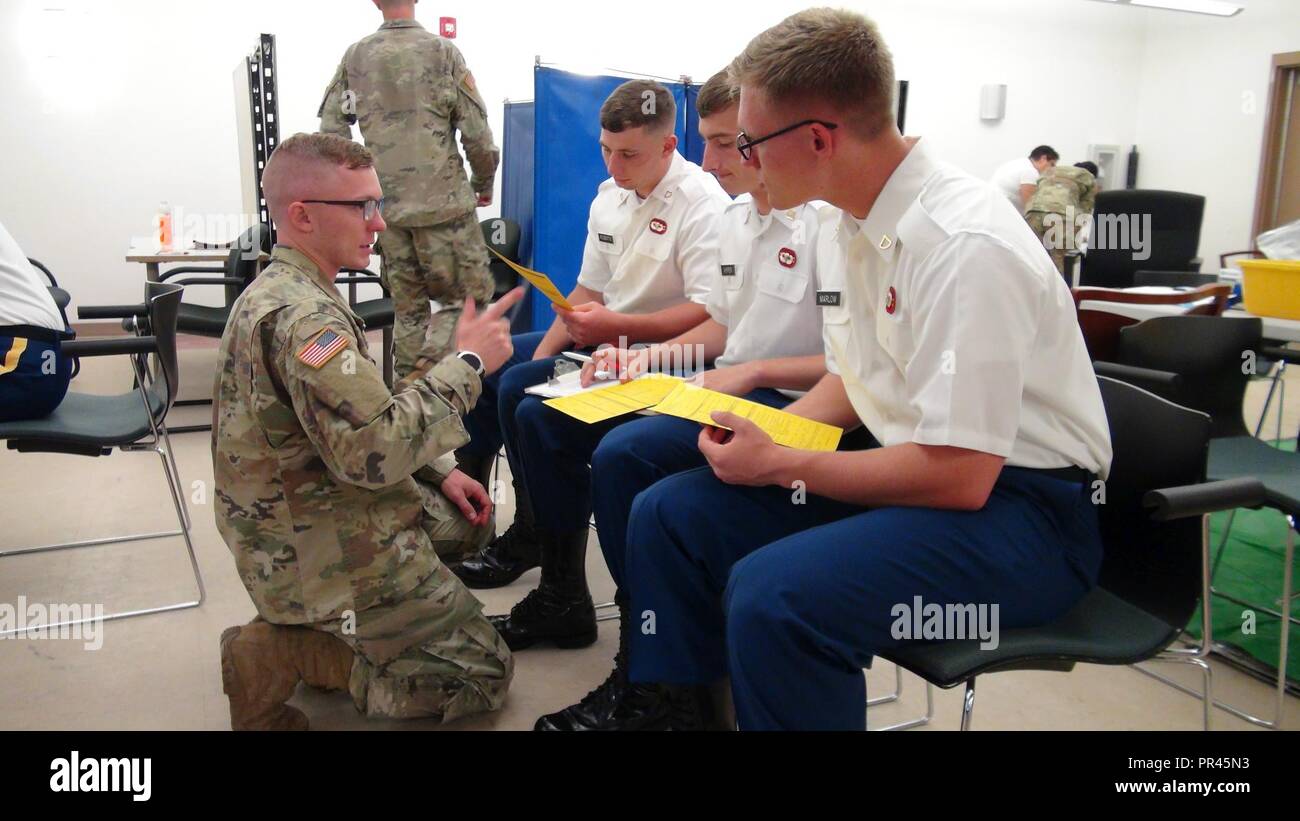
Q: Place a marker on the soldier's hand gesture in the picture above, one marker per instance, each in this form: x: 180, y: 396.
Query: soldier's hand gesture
x: 487, y: 334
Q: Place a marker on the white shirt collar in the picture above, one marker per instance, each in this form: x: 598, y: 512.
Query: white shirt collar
x: 664, y: 190
x: 880, y: 226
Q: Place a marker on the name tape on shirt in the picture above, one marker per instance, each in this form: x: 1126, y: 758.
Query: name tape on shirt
x: 322, y: 348
x: 605, y: 238
x: 828, y: 299
x: 728, y: 270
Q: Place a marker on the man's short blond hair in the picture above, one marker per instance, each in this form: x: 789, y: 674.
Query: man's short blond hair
x: 639, y: 103
x: 718, y: 93
x: 829, y: 55
x: 297, y: 163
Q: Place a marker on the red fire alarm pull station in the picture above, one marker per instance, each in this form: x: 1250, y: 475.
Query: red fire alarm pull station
x: 447, y: 27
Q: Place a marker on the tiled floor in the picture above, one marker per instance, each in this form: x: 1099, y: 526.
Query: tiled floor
x: 161, y: 672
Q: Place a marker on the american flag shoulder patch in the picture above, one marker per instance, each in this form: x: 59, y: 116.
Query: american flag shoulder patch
x: 322, y: 348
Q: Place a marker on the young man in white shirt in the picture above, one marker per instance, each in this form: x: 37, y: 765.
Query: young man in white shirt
x: 1018, y: 178
x: 650, y: 256
x: 34, y: 373
x: 951, y: 337
x: 764, y: 340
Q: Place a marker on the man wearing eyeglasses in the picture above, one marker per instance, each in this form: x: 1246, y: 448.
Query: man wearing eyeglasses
x: 950, y: 336
x: 313, y: 458
x: 650, y: 257
x: 410, y: 93
x: 763, y: 339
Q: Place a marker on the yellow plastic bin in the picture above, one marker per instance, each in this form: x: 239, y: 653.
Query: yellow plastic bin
x: 1271, y: 287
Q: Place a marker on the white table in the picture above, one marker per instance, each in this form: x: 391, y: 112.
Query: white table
x: 153, y: 258
x: 1284, y: 329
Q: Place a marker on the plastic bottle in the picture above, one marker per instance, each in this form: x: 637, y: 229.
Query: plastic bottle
x: 164, y: 222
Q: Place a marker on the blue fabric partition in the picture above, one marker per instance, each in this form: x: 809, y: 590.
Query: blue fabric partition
x: 517, y: 187
x: 568, y: 168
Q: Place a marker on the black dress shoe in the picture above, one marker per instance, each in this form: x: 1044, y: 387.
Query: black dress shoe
x: 509, y: 556
x: 569, y: 621
x: 614, y: 705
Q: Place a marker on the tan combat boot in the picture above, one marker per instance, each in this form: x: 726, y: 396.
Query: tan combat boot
x: 262, y: 663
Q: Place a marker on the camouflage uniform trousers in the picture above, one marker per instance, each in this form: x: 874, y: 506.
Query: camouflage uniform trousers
x: 445, y: 263
x: 1035, y: 220
x: 433, y: 653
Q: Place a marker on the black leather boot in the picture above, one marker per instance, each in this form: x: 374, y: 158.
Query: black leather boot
x: 691, y: 708
x: 560, y: 609
x: 616, y: 704
x: 509, y: 555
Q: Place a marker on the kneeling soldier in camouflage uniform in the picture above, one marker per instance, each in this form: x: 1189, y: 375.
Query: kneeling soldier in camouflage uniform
x: 336, y: 542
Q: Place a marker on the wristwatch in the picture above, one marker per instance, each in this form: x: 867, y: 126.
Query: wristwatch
x: 473, y: 360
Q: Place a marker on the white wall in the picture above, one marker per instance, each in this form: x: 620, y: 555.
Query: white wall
x: 1201, y: 117
x: 114, y: 105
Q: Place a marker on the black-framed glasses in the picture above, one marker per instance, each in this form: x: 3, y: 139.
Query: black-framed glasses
x: 368, y: 207
x: 744, y: 143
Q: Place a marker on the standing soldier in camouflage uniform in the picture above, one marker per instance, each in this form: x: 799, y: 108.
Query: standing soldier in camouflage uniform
x: 1064, y: 194
x: 336, y: 543
x: 410, y: 91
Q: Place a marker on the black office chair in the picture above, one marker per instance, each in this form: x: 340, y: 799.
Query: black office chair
x: 1209, y: 360
x: 242, y: 265
x: 93, y: 425
x: 1174, y: 279
x: 374, y: 313
x: 1155, y: 570
x: 503, y: 236
x: 1175, y: 221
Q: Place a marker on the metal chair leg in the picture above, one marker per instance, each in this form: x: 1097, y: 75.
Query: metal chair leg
x: 173, y: 487
x: 968, y: 705
x: 898, y: 691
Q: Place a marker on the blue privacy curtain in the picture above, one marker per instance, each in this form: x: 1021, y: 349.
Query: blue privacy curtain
x: 567, y: 169
x: 517, y: 186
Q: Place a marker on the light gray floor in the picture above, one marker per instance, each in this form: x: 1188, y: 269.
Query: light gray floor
x: 161, y: 672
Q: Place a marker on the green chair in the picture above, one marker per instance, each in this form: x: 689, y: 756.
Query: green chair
x: 94, y: 425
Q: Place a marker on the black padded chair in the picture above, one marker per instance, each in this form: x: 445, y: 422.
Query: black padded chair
x: 95, y: 425
x: 242, y: 265
x: 1155, y: 570
x: 1202, y: 362
x: 1174, y: 236
x: 501, y: 235
x: 375, y: 313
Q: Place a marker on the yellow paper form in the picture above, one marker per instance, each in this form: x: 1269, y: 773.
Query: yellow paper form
x: 540, y: 280
x: 696, y: 404
x: 606, y: 403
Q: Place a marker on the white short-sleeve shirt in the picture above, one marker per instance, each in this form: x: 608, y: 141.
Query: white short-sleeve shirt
x: 24, y: 299
x: 765, y: 286
x: 950, y: 325
x: 1011, y: 175
x: 647, y: 255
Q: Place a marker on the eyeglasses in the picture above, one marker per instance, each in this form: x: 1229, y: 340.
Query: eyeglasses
x: 744, y: 144
x: 368, y: 207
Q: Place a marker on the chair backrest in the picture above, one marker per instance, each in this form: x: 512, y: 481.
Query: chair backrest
x: 1174, y: 221
x: 164, y: 302
x: 1174, y: 279
x: 501, y: 235
x: 1153, y: 565
x: 1101, y: 328
x: 1214, y: 356
x: 244, y: 259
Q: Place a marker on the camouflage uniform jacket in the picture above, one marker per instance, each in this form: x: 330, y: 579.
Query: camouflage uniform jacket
x: 313, y: 459
x: 410, y: 91
x: 1062, y: 187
